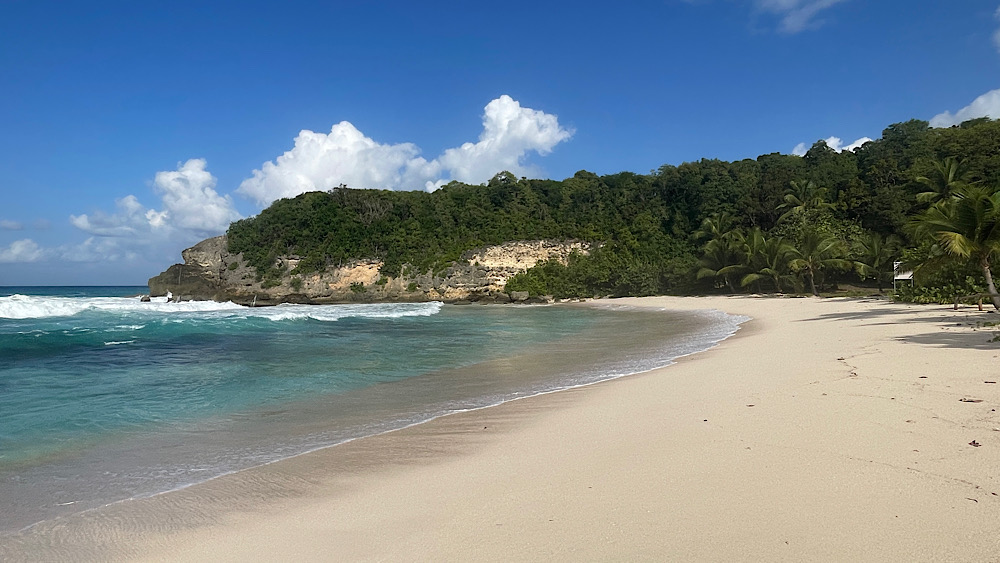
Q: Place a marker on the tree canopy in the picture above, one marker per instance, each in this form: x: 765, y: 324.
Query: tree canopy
x: 677, y: 229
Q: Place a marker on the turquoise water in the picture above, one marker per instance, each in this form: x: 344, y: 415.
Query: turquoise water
x: 105, y: 398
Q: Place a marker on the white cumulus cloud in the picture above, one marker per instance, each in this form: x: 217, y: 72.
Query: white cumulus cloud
x: 319, y: 161
x: 191, y: 206
x: 8, y: 225
x: 509, y: 132
x: 24, y: 250
x: 190, y: 200
x: 796, y: 15
x: 987, y: 105
x: 835, y: 143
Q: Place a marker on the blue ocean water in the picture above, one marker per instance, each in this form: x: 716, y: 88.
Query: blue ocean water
x: 105, y: 398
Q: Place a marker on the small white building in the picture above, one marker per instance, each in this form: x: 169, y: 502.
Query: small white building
x: 898, y: 276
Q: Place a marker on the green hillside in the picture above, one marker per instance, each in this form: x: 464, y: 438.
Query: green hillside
x: 780, y: 222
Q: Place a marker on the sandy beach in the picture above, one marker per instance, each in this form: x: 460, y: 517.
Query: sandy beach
x: 825, y: 430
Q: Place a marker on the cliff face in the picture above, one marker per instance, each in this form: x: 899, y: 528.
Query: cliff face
x: 209, y: 272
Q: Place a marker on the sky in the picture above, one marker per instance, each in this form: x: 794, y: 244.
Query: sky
x: 131, y: 130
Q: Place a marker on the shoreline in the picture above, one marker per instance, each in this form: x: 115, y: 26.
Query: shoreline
x: 708, y: 458
x: 542, y: 367
x: 700, y: 331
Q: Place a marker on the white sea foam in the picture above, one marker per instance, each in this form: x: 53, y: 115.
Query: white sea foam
x: 336, y: 312
x: 37, y: 307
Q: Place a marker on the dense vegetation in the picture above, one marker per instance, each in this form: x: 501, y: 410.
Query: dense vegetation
x: 777, y: 223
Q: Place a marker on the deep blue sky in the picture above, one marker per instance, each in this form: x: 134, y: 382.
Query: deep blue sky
x: 98, y: 97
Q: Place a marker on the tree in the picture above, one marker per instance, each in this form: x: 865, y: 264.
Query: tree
x: 767, y: 259
x: 949, y: 174
x: 965, y: 226
x: 876, y: 256
x: 774, y: 172
x: 716, y: 226
x: 722, y: 258
x: 816, y: 253
x: 804, y: 196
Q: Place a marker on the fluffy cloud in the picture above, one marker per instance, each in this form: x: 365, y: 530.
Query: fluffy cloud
x: 509, y: 132
x: 191, y: 206
x: 190, y: 200
x: 319, y: 161
x: 191, y: 210
x: 24, y: 250
x: 10, y: 225
x: 834, y: 143
x: 987, y: 105
x: 796, y: 15
x: 127, y: 221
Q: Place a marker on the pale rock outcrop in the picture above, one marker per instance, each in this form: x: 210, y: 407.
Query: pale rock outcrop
x: 210, y: 272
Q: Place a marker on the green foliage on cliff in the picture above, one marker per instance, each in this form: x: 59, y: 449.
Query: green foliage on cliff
x: 429, y: 230
x: 701, y: 226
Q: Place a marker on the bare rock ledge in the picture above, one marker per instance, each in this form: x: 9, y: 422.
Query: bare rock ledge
x: 210, y: 272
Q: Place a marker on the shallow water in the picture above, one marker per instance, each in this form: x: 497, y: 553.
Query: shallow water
x: 105, y: 398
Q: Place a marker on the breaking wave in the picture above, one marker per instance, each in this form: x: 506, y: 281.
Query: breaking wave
x: 39, y: 307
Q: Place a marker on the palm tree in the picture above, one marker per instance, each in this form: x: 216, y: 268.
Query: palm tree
x: 816, y: 253
x: 721, y: 254
x: 768, y: 259
x: 720, y: 225
x: 966, y: 226
x: 876, y: 256
x: 949, y: 174
x: 722, y: 258
x: 804, y: 196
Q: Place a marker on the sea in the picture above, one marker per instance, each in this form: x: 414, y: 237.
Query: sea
x: 105, y: 398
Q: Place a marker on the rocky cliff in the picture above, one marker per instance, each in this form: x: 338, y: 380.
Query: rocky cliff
x: 210, y: 272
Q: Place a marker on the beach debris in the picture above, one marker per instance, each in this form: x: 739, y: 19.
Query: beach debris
x: 841, y: 359
x: 968, y: 400
x: 922, y: 377
x: 750, y: 405
x: 975, y: 444
x: 989, y: 382
x: 972, y: 499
